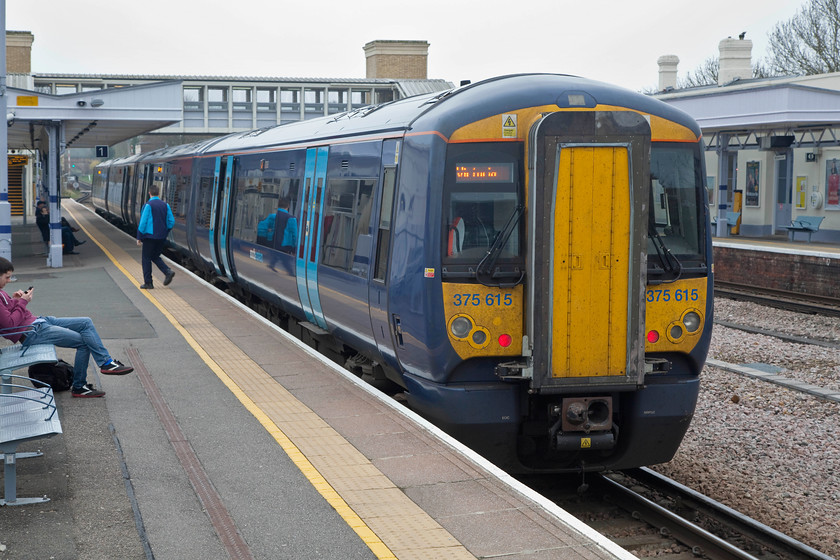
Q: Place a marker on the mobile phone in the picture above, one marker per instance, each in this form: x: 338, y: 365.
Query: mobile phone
x: 29, y: 289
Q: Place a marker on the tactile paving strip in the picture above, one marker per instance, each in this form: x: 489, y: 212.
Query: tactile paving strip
x: 405, y: 529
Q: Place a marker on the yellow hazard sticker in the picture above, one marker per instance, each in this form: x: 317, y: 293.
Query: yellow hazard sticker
x: 585, y: 443
x: 509, y: 129
x: 27, y: 100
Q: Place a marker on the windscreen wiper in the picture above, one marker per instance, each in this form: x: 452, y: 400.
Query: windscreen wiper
x: 485, y: 267
x: 670, y: 263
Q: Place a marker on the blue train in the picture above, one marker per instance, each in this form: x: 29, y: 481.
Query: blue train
x: 528, y: 258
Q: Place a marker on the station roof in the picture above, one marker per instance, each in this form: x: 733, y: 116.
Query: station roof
x: 764, y: 106
x: 93, y: 118
x: 406, y: 87
x: 807, y: 109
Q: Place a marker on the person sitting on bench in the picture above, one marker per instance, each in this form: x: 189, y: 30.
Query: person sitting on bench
x: 65, y: 332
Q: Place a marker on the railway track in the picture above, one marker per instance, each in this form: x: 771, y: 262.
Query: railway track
x: 653, y: 516
x: 781, y: 299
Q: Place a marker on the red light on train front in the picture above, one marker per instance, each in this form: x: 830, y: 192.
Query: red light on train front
x: 505, y: 340
x: 652, y: 336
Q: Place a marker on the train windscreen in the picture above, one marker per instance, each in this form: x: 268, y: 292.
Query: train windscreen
x: 482, y: 208
x: 675, y: 235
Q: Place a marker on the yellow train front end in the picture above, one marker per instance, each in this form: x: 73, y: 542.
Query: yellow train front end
x: 604, y: 324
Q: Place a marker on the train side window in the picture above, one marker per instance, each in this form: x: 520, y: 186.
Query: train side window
x: 262, y: 182
x: 204, y: 201
x: 383, y: 241
x: 178, y: 194
x: 346, y: 239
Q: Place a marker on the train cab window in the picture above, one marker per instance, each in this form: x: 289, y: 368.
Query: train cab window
x: 676, y: 207
x: 346, y: 240
x: 483, y: 229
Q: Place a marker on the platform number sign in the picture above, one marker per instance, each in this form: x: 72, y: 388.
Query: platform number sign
x: 102, y: 151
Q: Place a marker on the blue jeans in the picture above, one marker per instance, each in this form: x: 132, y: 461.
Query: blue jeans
x: 71, y: 332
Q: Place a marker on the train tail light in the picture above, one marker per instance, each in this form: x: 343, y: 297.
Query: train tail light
x: 505, y: 340
x: 653, y: 336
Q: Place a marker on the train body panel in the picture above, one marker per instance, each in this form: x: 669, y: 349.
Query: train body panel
x: 529, y: 256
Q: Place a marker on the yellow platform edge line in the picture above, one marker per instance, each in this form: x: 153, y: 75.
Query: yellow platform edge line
x: 373, y: 542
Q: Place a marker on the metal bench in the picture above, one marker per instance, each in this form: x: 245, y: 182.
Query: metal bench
x: 26, y: 412
x: 731, y: 220
x: 808, y: 224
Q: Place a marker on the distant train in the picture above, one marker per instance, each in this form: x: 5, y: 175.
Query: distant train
x: 528, y: 258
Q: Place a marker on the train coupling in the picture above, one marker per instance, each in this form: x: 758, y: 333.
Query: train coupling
x: 583, y: 423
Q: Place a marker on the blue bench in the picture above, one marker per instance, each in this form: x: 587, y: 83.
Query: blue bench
x: 27, y: 412
x: 808, y: 224
x: 731, y: 220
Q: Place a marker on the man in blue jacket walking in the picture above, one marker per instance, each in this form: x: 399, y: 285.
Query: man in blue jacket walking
x: 155, y: 223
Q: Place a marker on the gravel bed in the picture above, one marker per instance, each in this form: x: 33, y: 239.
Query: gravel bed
x: 769, y: 452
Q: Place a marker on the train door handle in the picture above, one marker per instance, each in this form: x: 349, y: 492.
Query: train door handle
x: 398, y: 330
x: 604, y: 260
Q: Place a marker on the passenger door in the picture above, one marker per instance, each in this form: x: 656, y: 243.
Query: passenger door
x: 384, y: 329
x: 783, y: 177
x: 309, y: 248
x: 219, y: 216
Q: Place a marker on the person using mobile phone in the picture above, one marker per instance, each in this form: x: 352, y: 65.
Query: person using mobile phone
x: 18, y: 324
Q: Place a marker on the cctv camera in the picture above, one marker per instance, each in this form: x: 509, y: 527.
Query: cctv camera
x: 81, y: 103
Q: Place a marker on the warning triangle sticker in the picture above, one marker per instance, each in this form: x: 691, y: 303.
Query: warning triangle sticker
x: 509, y: 122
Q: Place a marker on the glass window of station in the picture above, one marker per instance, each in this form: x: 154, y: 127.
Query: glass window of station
x: 193, y: 98
x: 289, y: 105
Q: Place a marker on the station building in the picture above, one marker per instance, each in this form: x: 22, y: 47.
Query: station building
x: 772, y: 144
x: 209, y: 106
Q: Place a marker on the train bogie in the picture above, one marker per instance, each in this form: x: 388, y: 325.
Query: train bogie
x: 528, y: 257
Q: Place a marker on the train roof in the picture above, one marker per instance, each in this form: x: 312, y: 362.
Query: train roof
x: 442, y: 112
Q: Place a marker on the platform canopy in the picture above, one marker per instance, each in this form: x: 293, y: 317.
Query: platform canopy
x: 101, y: 117
x: 805, y: 115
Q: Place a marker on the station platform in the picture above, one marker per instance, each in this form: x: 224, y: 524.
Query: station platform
x: 779, y: 244
x: 233, y: 440
x: 777, y: 263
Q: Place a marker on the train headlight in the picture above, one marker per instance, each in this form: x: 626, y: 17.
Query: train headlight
x: 691, y: 321
x: 460, y: 327
x: 479, y: 337
x: 676, y: 332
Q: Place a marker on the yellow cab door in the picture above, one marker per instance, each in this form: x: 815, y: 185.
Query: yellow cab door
x: 588, y: 191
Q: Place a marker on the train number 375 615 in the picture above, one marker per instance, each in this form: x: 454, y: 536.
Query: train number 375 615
x: 677, y: 295
x: 475, y: 300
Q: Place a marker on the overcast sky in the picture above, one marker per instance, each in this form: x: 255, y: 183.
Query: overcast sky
x: 615, y: 41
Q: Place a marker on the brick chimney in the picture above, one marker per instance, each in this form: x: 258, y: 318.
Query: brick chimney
x: 667, y: 71
x: 397, y: 59
x: 735, y: 60
x: 19, y: 52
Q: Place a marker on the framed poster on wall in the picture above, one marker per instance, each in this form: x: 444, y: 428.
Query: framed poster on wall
x: 801, y: 191
x: 751, y: 196
x: 832, y: 184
